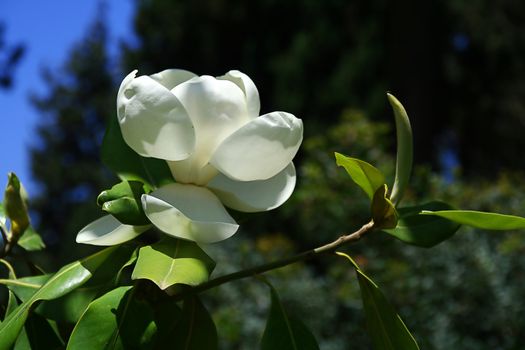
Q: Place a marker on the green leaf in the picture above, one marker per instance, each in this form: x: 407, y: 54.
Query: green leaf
x: 383, y: 212
x: 405, y: 150
x: 116, y: 320
x: 41, y: 334
x: 172, y: 261
x: 363, y: 174
x: 25, y: 287
x: 167, y: 318
x: 31, y: 240
x: 283, y: 331
x: 70, y: 307
x: 123, y: 201
x: 385, y: 327
x: 423, y: 230
x: 64, y: 281
x: 480, y: 219
x: 195, y: 330
x: 127, y: 164
x: 12, y: 303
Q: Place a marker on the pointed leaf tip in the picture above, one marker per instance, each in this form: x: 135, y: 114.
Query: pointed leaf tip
x: 480, y: 219
x: 365, y: 175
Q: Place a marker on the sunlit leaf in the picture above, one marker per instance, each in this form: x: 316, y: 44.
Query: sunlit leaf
x: 480, y: 219
x: 363, y: 174
x: 116, y: 320
x: 283, y: 331
x: 195, y: 330
x: 64, y: 281
x: 423, y: 230
x: 405, y: 150
x: 127, y: 164
x: 70, y: 307
x: 383, y: 212
x: 385, y: 327
x: 25, y: 287
x: 31, y: 240
x: 174, y: 261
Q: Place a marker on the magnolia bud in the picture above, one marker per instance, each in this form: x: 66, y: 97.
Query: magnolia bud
x: 123, y: 202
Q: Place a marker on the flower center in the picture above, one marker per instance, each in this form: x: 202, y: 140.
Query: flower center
x: 189, y: 171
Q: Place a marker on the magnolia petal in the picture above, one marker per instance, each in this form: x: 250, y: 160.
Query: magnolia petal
x: 153, y: 121
x: 260, y: 149
x: 254, y: 196
x: 189, y: 212
x: 108, y: 231
x: 170, y: 78
x: 248, y: 87
x: 217, y: 108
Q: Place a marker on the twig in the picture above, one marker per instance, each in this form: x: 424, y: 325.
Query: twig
x: 327, y: 248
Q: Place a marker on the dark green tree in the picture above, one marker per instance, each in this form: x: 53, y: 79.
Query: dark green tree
x: 65, y: 159
x: 311, y: 58
x: 10, y: 56
x: 457, y: 65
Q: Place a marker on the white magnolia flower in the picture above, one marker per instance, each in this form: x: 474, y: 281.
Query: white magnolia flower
x: 220, y: 151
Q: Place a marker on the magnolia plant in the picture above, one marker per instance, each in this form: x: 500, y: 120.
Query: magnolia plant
x: 186, y: 148
x: 218, y: 150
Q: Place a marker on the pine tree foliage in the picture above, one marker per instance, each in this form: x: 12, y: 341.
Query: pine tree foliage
x: 65, y: 159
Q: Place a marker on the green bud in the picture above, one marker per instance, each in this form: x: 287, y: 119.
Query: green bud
x: 384, y: 213
x: 15, y: 205
x: 405, y: 150
x: 124, y: 203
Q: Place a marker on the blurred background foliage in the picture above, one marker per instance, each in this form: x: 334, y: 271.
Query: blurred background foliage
x: 458, y: 68
x: 10, y: 56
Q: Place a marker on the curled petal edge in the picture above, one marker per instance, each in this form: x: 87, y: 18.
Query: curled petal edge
x: 107, y: 231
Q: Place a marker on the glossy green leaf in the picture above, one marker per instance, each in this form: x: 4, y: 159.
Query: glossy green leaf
x: 405, y: 150
x: 173, y: 261
x: 64, y: 281
x: 385, y: 327
x: 285, y: 332
x: 12, y: 303
x: 423, y: 230
x: 25, y: 287
x: 363, y: 174
x: 383, y: 212
x: 70, y: 307
x: 22, y: 342
x: 31, y: 240
x: 480, y: 219
x: 195, y: 330
x: 127, y: 164
x: 67, y: 308
x: 116, y: 320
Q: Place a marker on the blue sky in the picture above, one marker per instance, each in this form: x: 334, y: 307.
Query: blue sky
x: 48, y: 29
